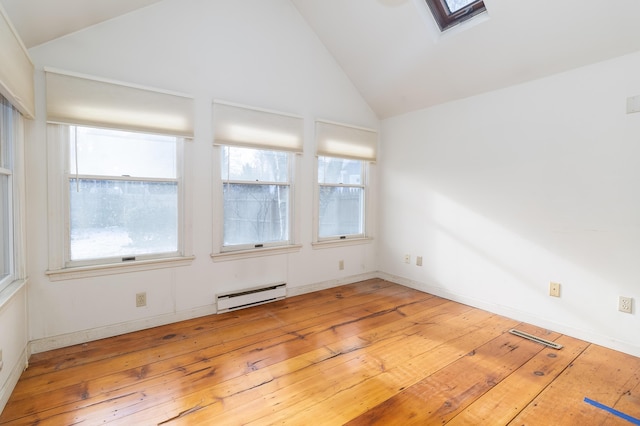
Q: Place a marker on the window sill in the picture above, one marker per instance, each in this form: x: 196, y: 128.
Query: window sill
x: 117, y: 268
x: 341, y: 243
x: 247, y: 254
x: 7, y: 293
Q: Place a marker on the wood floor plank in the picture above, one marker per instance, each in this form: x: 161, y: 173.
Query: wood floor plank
x: 364, y: 353
x: 437, y: 398
x: 509, y: 396
x: 599, y: 374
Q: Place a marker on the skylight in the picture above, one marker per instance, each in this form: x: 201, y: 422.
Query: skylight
x: 451, y: 12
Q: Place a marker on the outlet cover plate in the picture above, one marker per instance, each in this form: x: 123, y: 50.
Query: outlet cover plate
x: 625, y: 304
x: 141, y: 300
x: 554, y: 289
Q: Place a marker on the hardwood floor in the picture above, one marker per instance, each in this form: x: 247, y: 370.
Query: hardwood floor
x: 367, y: 353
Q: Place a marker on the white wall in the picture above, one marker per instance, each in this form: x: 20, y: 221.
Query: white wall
x: 504, y: 192
x: 255, y: 52
x: 13, y: 337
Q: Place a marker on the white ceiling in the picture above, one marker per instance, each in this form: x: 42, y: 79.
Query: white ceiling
x: 392, y: 50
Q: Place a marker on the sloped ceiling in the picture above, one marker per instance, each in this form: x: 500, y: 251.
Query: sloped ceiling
x: 39, y: 21
x: 394, y: 54
x: 392, y: 50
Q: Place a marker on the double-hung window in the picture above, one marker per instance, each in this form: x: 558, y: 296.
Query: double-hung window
x: 341, y: 197
x: 124, y: 195
x: 257, y: 151
x: 256, y: 188
x: 344, y: 154
x: 17, y: 103
x: 10, y: 122
x: 116, y: 178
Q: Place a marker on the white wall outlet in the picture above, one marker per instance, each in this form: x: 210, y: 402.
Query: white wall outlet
x: 419, y: 261
x: 554, y: 289
x: 341, y: 265
x: 625, y: 304
x: 141, y: 300
x: 407, y: 258
x: 1, y: 360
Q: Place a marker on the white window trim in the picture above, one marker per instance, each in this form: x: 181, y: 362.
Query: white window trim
x: 117, y: 268
x: 337, y: 241
x: 58, y: 210
x: 219, y: 252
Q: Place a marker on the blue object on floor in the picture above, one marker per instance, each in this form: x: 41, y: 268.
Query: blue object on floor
x: 613, y: 411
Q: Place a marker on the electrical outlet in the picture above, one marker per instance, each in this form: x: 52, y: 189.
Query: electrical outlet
x: 341, y: 265
x: 1, y: 360
x: 554, y: 289
x: 419, y: 261
x: 625, y: 304
x: 407, y: 258
x: 141, y: 300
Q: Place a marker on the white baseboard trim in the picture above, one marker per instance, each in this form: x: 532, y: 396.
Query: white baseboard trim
x: 588, y: 336
x: 323, y: 285
x: 84, y: 336
x: 12, y: 380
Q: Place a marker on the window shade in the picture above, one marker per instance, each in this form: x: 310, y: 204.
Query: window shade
x: 76, y: 99
x: 338, y: 140
x: 235, y: 125
x: 16, y: 71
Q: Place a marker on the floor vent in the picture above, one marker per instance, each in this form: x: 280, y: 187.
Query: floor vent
x: 536, y: 339
x: 250, y: 297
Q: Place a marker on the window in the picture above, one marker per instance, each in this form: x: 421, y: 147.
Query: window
x: 124, y: 195
x: 256, y: 191
x: 9, y: 122
x: 116, y: 155
x: 448, y: 13
x: 341, y: 197
x: 344, y: 156
x: 256, y: 152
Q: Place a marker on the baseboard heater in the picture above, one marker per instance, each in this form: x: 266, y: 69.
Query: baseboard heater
x: 250, y: 297
x: 536, y: 339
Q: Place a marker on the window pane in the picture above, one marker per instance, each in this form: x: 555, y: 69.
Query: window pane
x: 104, y: 152
x: 456, y: 5
x: 255, y: 214
x: 340, y: 211
x: 339, y: 171
x: 256, y: 165
x: 112, y: 218
x: 5, y: 230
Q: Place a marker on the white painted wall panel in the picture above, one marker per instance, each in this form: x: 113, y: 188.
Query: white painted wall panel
x: 504, y: 192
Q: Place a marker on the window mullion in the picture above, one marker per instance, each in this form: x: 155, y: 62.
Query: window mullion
x: 123, y: 178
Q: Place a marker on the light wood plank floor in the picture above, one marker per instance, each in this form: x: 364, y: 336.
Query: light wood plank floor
x: 367, y: 353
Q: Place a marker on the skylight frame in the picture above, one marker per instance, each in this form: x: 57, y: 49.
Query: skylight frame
x: 447, y: 19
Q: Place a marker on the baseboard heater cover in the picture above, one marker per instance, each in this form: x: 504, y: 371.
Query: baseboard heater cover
x: 536, y: 339
x: 250, y: 297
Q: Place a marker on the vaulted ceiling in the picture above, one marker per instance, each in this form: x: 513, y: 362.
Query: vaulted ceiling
x: 393, y: 51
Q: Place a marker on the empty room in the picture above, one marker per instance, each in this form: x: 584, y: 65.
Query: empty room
x: 319, y: 212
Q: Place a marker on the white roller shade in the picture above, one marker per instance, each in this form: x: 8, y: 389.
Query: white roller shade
x: 77, y: 99
x: 339, y: 140
x: 236, y: 125
x: 16, y: 69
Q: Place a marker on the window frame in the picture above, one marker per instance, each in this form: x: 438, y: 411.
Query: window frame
x: 61, y: 266
x: 291, y: 167
x: 447, y: 20
x: 8, y: 148
x: 365, y: 199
